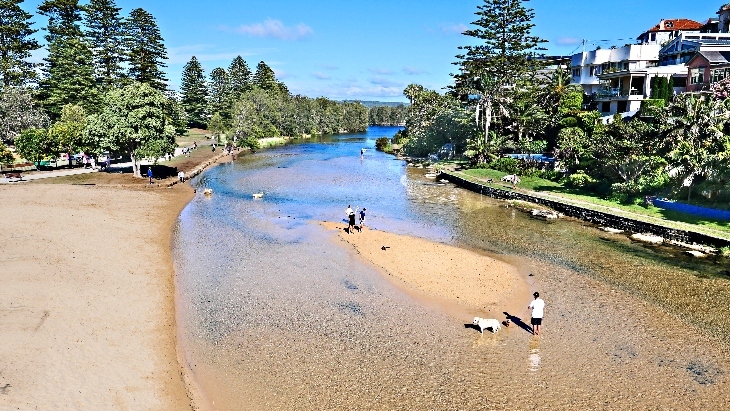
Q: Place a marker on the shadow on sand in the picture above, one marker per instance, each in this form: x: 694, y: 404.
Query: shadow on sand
x: 518, y: 322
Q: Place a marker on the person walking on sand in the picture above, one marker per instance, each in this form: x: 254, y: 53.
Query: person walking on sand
x: 351, y: 220
x: 149, y: 173
x: 362, y: 217
x: 538, y: 307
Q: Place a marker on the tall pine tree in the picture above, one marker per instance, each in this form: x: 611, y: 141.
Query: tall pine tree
x: 105, y: 33
x: 264, y: 78
x: 239, y: 77
x: 219, y: 92
x: 146, y: 50
x: 194, y: 93
x: 16, y: 44
x: 504, y: 58
x: 68, y: 71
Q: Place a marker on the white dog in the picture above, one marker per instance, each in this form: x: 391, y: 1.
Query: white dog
x: 485, y: 323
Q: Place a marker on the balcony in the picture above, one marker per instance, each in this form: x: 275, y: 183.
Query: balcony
x: 617, y: 93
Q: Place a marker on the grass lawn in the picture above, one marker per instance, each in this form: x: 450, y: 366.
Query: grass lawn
x: 543, y: 187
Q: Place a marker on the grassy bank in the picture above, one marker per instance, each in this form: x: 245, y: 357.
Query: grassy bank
x: 554, y: 190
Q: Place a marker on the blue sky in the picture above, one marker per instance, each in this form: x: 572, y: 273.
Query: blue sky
x: 370, y: 50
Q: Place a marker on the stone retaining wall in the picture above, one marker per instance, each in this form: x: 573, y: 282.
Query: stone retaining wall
x: 592, y: 216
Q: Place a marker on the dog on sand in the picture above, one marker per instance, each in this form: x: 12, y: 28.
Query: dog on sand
x: 484, y: 323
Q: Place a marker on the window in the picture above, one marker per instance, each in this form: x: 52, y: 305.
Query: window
x: 719, y: 74
x: 680, y: 81
x: 595, y: 70
x: 576, y: 72
x: 653, y: 36
x: 605, y: 107
x: 697, y: 75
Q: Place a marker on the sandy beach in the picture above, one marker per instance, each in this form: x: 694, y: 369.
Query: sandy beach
x: 463, y: 282
x: 87, y: 302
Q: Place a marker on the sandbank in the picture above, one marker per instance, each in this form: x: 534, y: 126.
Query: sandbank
x: 87, y: 302
x: 459, y: 280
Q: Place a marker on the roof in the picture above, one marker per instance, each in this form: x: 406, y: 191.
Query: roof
x: 675, y: 24
x: 714, y: 57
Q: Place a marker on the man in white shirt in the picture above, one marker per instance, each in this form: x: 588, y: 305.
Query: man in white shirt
x: 538, y: 307
x: 351, y: 220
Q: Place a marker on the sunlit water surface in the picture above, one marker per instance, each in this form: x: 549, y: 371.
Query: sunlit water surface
x: 275, y: 315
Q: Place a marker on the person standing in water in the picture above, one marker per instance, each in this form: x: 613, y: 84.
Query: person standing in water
x: 362, y: 217
x: 350, y: 219
x: 538, y: 307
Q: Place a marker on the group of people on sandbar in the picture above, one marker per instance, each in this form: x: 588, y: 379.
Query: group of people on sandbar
x: 351, y: 214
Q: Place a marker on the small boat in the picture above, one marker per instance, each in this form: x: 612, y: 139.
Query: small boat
x: 258, y: 195
x: 431, y: 175
x: 208, y: 192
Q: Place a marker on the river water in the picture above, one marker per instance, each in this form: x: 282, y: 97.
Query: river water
x: 273, y: 314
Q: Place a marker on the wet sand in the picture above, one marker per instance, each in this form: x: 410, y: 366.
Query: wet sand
x: 600, y: 348
x: 87, y: 298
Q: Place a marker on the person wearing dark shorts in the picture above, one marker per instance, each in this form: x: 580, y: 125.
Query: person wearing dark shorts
x: 351, y: 220
x: 362, y: 217
x: 538, y: 308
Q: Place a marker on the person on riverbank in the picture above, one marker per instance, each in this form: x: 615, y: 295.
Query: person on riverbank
x: 538, y: 308
x: 362, y: 217
x: 351, y: 220
x: 149, y: 173
x: 181, y: 176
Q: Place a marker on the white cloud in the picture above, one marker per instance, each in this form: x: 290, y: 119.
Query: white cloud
x: 275, y: 29
x: 412, y: 71
x: 568, y: 41
x: 381, y: 71
x: 204, y: 52
x: 454, y: 28
x: 321, y: 76
x: 387, y: 83
x: 281, y: 74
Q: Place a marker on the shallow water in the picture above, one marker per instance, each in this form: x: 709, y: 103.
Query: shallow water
x: 276, y: 315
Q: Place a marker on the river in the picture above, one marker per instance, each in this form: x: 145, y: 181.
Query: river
x: 273, y: 314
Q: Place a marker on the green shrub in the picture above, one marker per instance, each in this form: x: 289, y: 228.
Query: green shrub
x: 580, y: 180
x: 382, y: 143
x: 652, y: 106
x: 569, y: 122
x: 507, y: 165
x: 251, y: 142
x: 725, y: 251
x: 552, y: 175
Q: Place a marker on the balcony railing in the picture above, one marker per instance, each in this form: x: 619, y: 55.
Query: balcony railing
x: 615, y: 92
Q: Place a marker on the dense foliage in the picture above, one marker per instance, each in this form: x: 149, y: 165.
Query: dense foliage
x: 387, y: 115
x: 244, y: 105
x: 677, y: 146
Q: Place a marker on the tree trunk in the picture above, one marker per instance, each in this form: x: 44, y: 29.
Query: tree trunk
x: 689, y: 192
x: 135, y: 166
x: 487, y: 120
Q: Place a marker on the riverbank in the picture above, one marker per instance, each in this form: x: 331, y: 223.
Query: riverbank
x: 87, y: 305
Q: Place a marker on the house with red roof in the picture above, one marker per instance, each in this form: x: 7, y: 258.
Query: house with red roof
x: 667, y: 29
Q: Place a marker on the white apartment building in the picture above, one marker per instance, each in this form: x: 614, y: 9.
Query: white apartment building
x: 620, y: 78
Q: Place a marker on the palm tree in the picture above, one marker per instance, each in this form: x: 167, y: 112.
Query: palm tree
x: 412, y: 90
x: 694, y: 136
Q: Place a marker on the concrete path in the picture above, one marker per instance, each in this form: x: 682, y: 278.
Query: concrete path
x: 48, y: 174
